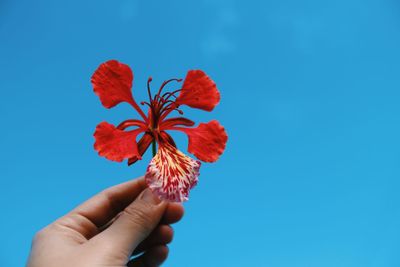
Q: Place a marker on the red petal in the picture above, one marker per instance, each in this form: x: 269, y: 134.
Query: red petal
x: 130, y: 123
x: 171, y: 174
x: 143, y: 145
x: 176, y: 121
x: 198, y: 91
x: 167, y: 138
x: 115, y: 144
x: 207, y: 141
x: 112, y: 82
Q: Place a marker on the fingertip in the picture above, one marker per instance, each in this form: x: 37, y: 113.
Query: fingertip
x: 157, y: 255
x: 167, y: 233
x: 162, y: 235
x: 152, y: 257
x: 178, y: 207
x: 173, y: 213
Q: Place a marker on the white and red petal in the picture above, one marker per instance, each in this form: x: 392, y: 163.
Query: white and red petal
x: 115, y: 144
x: 171, y: 174
x: 198, y: 91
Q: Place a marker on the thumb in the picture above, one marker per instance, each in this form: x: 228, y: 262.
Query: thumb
x: 134, y: 224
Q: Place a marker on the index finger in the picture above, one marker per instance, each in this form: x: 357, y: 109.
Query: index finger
x: 104, y: 206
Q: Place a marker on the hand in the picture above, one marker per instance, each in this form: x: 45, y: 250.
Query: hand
x: 108, y: 229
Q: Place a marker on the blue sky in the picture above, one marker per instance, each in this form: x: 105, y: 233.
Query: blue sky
x: 310, y: 100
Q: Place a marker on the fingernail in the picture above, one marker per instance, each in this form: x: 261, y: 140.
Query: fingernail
x: 149, y: 197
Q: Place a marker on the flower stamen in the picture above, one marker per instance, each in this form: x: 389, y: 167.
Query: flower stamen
x: 145, y: 103
x: 164, y: 84
x: 169, y: 94
x: 148, y: 88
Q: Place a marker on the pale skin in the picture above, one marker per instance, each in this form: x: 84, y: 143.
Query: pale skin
x: 108, y: 229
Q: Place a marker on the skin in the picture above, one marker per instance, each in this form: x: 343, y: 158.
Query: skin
x: 108, y: 229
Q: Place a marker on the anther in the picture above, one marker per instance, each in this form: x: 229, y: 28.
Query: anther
x: 148, y: 88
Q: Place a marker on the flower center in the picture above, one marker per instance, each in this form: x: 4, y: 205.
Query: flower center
x: 161, y: 104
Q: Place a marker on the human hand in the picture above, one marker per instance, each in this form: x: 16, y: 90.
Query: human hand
x: 108, y: 229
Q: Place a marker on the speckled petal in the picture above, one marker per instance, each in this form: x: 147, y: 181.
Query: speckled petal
x: 171, y: 174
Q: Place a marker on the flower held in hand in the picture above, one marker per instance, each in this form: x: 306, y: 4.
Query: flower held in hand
x: 170, y: 174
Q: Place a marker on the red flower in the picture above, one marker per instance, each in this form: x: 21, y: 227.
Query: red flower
x: 170, y: 174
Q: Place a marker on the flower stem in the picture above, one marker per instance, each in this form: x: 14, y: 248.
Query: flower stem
x: 154, y: 147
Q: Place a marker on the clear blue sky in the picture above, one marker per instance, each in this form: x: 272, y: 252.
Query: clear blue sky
x: 310, y: 99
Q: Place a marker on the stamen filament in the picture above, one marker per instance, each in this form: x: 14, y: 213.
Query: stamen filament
x: 148, y: 88
x: 146, y: 103
x: 164, y: 84
x: 169, y: 94
x: 169, y: 106
x: 168, y: 109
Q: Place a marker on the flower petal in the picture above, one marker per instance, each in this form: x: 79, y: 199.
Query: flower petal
x: 131, y: 123
x: 207, y: 141
x: 171, y: 174
x: 167, y: 138
x: 112, y: 82
x: 198, y: 91
x: 143, y: 145
x: 176, y: 121
x: 115, y: 144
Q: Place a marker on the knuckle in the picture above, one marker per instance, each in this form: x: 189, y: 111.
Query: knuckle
x: 139, y: 217
x: 112, y: 202
x: 40, y: 235
x: 170, y: 234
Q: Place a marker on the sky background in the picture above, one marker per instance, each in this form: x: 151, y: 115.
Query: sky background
x: 310, y: 100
